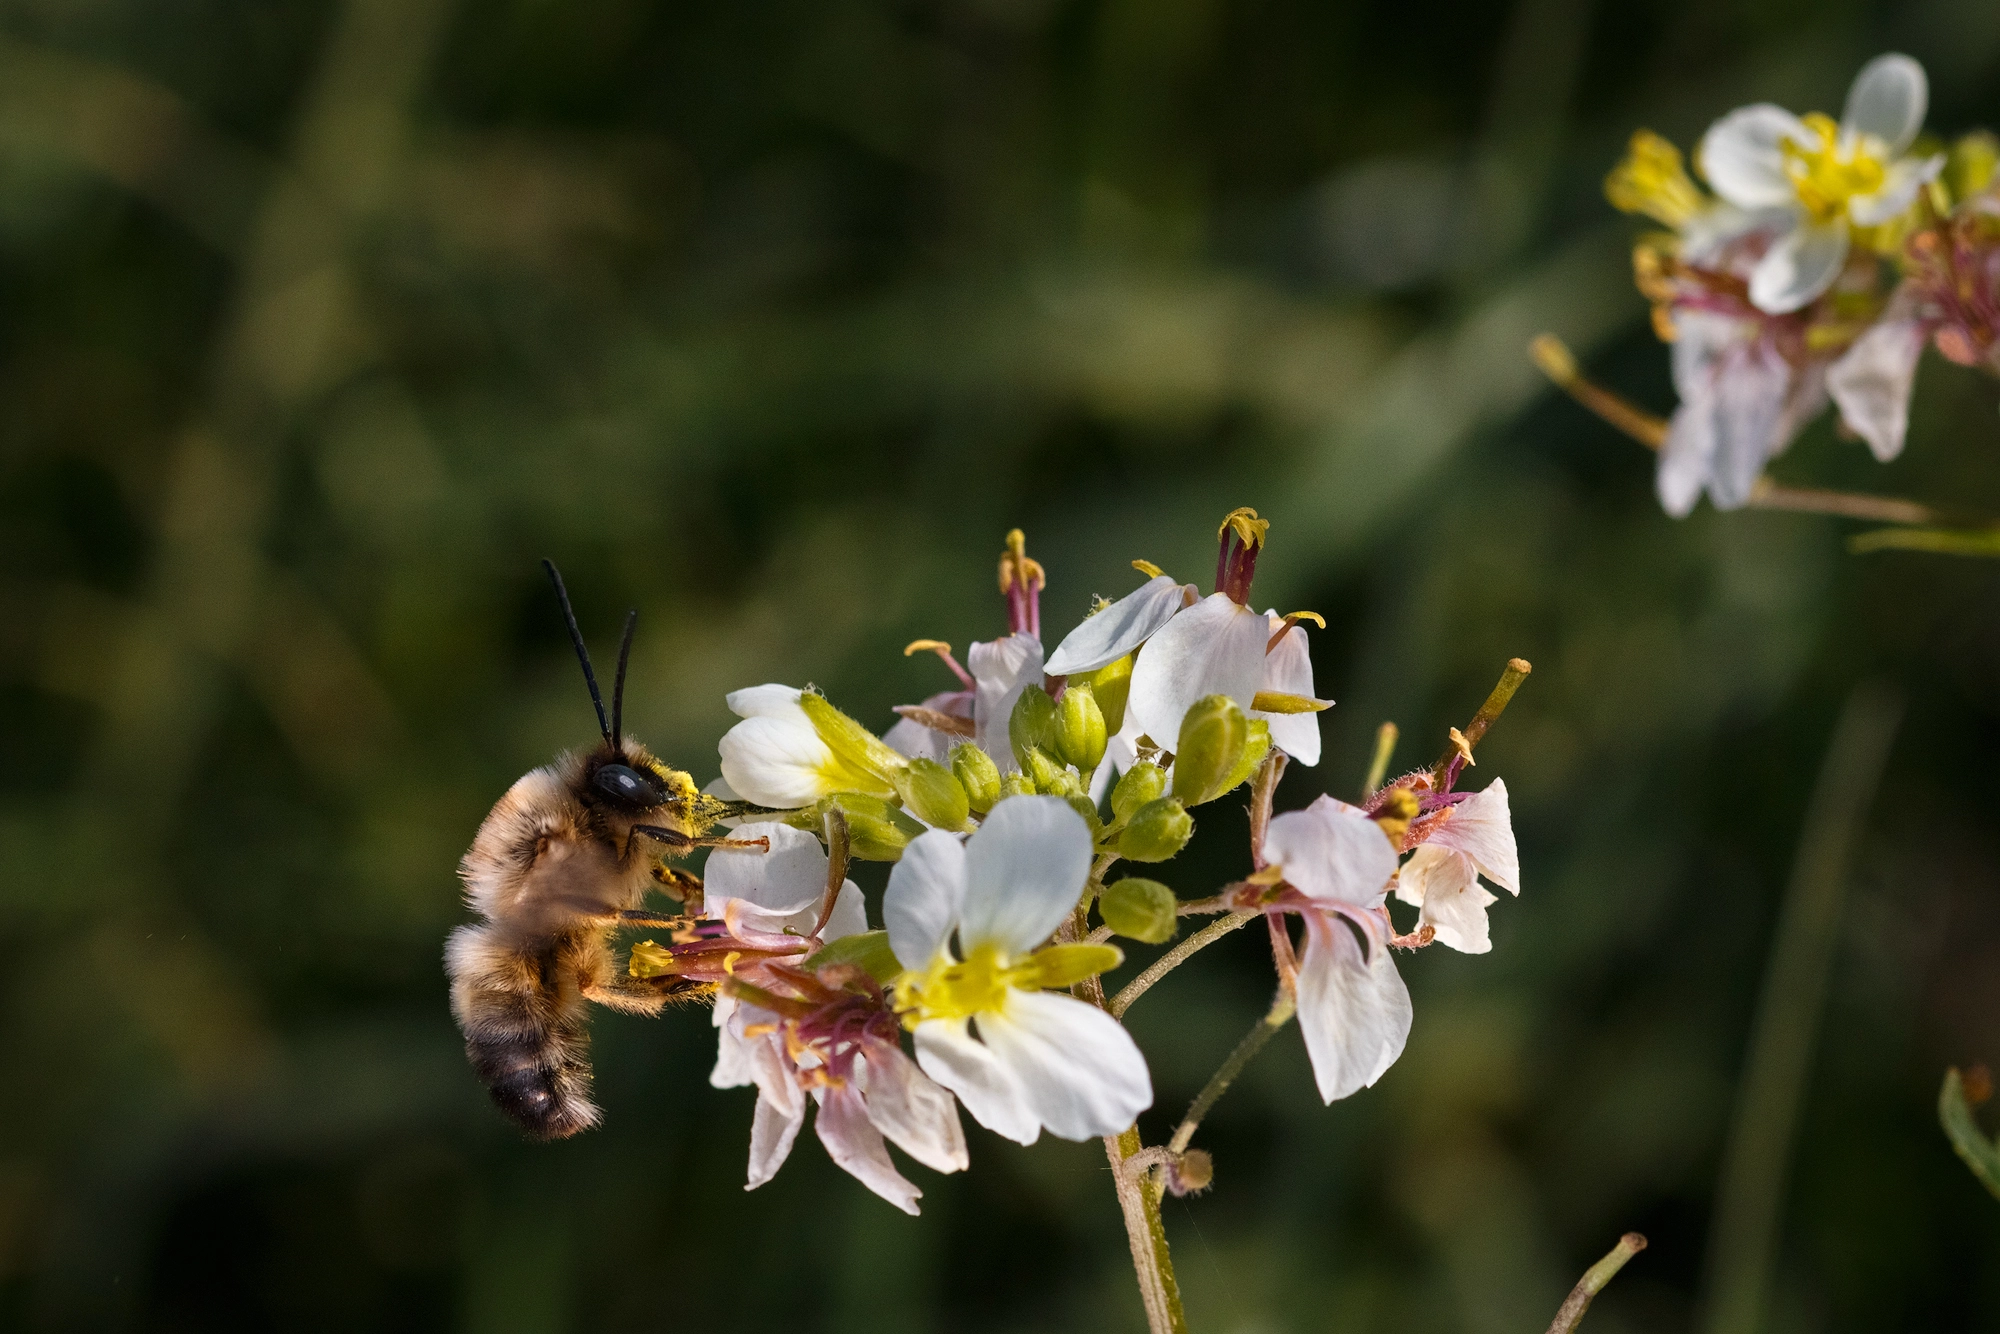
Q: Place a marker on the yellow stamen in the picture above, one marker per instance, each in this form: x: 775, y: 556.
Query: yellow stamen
x: 1293, y: 618
x: 1824, y: 178
x: 1147, y: 568
x: 951, y: 989
x: 1653, y: 180
x: 1248, y: 527
x: 916, y: 646
x: 1015, y: 563
x: 1462, y: 746
x: 729, y: 962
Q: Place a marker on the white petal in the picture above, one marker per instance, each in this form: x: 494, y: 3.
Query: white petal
x: 912, y: 1109
x: 772, y: 1130
x: 1001, y: 670
x: 950, y: 1055
x: 1214, y: 647
x: 1080, y: 1070
x: 776, y: 759
x: 1025, y: 867
x: 733, y: 1060
x: 1288, y: 670
x: 1118, y: 629
x: 856, y: 1145
x: 926, y: 891
x: 765, y: 701
x: 1354, y: 1011
x: 1459, y: 918
x: 1687, y: 456
x: 1900, y: 184
x: 784, y: 883
x: 1887, y: 101
x: 1751, y: 394
x: 1446, y: 883
x: 1333, y: 852
x: 1482, y: 828
x: 1871, y: 383
x: 849, y: 916
x: 1799, y: 267
x: 1743, y: 158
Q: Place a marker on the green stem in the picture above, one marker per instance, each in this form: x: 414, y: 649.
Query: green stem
x: 1281, y: 1012
x: 1173, y: 959
x: 1973, y: 1146
x: 1593, y: 1281
x: 1744, y: 1236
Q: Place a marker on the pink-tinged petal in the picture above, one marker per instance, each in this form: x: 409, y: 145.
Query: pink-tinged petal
x: 1686, y: 456
x: 988, y: 1090
x: 1871, y: 383
x: 1433, y: 870
x: 1887, y: 101
x: 1081, y: 1072
x: 780, y: 886
x: 1354, y: 1011
x: 916, y: 1113
x: 1001, y: 670
x: 926, y: 891
x: 1454, y: 903
x: 1482, y: 828
x: 919, y: 742
x: 1025, y: 868
x: 1742, y: 155
x: 1288, y: 670
x: 1118, y: 629
x: 772, y: 1130
x: 1333, y: 852
x: 1801, y: 266
x: 1214, y: 647
x: 856, y: 1145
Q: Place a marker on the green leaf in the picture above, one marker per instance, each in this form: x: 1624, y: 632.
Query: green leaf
x: 867, y: 950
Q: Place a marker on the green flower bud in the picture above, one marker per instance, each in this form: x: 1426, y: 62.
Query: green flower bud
x: 1032, y: 724
x: 930, y: 793
x: 1970, y: 166
x: 977, y: 774
x: 1112, y: 684
x: 1016, y: 784
x: 1140, y: 910
x: 1050, y: 777
x: 876, y: 831
x: 1080, y: 734
x: 1255, y: 747
x: 1143, y: 782
x: 1157, y: 831
x: 1213, y: 735
x: 1087, y: 808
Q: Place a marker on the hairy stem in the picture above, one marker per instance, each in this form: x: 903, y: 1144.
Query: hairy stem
x: 1174, y: 958
x: 1378, y: 766
x: 1593, y: 1281
x: 1497, y: 699
x: 1281, y: 1012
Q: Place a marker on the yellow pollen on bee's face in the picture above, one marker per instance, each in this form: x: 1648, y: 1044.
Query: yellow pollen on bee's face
x: 1825, y: 177
x: 954, y: 989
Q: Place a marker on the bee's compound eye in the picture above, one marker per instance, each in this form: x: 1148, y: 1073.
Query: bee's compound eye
x: 628, y: 785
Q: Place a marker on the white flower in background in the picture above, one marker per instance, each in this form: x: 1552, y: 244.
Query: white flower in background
x: 1827, y: 179
x: 1001, y: 670
x: 988, y: 1022
x: 792, y: 748
x: 839, y: 1048
x: 1354, y: 1011
x: 1742, y: 401
x: 1442, y: 876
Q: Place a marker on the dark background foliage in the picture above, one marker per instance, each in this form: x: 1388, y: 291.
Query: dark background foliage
x: 319, y: 323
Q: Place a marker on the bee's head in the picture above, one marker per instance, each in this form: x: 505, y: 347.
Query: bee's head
x: 621, y: 774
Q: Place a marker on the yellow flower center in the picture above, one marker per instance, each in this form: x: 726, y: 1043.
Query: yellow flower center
x: 1826, y: 180
x: 1652, y: 180
x: 955, y: 989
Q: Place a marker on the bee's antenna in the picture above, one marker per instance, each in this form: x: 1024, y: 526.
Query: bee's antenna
x: 618, y: 686
x: 582, y: 653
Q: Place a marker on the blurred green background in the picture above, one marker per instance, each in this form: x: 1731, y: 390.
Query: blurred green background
x: 320, y: 323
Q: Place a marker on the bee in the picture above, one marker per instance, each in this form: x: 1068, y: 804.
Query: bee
x: 563, y: 859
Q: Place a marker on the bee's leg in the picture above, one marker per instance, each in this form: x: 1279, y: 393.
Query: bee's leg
x: 736, y: 810
x: 679, y: 842
x: 627, y: 996
x: 680, y: 885
x: 640, y: 917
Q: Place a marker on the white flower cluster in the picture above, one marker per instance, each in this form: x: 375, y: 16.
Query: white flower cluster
x: 1829, y: 253
x: 1001, y: 806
